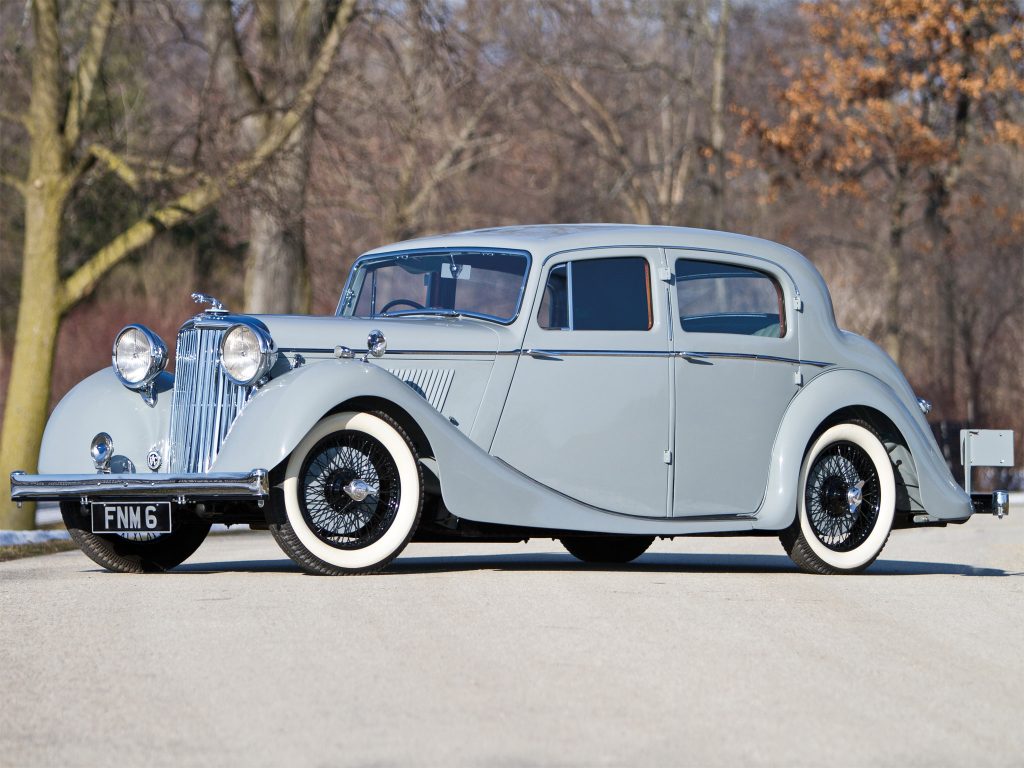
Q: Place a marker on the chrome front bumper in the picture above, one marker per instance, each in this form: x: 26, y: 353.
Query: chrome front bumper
x: 252, y: 485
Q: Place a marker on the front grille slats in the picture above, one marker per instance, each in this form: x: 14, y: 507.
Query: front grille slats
x: 205, y: 402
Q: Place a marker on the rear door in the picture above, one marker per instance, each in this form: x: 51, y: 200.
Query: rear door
x: 737, y: 367
x: 588, y: 412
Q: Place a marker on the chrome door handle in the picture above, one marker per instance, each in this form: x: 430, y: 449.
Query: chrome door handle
x: 540, y: 354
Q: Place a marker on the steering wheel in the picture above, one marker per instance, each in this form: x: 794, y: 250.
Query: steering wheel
x: 396, y: 302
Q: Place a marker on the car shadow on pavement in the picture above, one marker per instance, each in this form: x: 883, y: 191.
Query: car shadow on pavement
x: 650, y: 563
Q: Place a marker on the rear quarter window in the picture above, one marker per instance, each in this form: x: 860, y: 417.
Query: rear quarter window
x: 725, y: 298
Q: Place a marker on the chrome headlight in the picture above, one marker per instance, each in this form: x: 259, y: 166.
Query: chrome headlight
x: 139, y: 356
x: 247, y: 353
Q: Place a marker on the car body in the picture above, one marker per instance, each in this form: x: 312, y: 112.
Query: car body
x: 601, y: 384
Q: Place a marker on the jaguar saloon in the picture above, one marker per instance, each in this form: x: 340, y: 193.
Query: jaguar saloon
x: 602, y: 385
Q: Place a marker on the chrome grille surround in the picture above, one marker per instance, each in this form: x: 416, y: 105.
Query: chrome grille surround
x: 206, y: 402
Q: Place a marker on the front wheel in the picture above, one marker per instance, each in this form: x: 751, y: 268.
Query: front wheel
x: 135, y: 553
x: 351, y: 495
x: 847, y: 503
x: 607, y: 549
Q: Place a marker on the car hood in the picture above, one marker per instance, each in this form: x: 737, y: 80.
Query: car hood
x: 428, y: 334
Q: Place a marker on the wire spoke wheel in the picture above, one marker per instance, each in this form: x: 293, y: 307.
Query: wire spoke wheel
x: 843, y: 495
x: 337, y: 517
x: 350, y: 495
x: 847, y: 502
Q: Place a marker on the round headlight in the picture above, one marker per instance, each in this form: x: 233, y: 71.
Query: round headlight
x: 139, y: 356
x: 246, y: 354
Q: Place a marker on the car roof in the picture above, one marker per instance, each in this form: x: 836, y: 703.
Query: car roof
x: 544, y: 239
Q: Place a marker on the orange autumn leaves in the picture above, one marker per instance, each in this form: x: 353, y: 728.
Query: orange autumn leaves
x: 897, y: 83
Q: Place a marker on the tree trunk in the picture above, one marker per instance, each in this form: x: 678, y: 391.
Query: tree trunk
x: 55, y: 114
x: 941, y: 235
x: 39, y: 313
x: 276, y: 275
x: 721, y: 46
x: 893, y: 335
x: 40, y: 305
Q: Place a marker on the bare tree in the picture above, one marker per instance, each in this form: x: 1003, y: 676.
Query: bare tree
x: 286, y: 39
x: 59, y: 159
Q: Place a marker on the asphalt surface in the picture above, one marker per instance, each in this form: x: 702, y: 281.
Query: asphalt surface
x: 704, y: 652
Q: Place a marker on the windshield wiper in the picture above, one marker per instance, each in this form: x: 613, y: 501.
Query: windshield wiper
x: 426, y: 311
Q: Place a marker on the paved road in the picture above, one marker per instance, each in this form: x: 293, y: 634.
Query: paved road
x: 705, y: 652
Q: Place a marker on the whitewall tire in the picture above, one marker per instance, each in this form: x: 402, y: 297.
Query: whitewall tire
x: 847, y: 502
x: 351, y: 495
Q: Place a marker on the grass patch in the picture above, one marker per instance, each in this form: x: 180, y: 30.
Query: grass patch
x: 19, y: 551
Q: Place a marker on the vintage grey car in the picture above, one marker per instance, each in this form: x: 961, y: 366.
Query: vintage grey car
x: 598, y: 384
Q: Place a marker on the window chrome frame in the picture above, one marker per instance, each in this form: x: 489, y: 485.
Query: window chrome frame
x: 389, y: 255
x: 767, y: 271
x: 570, y: 309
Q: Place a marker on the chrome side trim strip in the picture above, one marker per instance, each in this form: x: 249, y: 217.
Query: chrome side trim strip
x: 552, y: 354
x: 752, y: 356
x: 556, y: 353
x: 415, y: 352
x: 254, y: 484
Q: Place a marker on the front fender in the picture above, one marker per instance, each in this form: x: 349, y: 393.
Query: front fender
x: 834, y: 390
x: 100, y: 403
x: 284, y: 410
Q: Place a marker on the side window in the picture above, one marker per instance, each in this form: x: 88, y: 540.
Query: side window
x: 724, y: 298
x: 598, y: 295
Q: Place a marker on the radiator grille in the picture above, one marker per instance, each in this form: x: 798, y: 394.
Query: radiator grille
x: 205, y: 401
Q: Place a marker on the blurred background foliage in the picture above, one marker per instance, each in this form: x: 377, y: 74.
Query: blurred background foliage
x: 883, y: 139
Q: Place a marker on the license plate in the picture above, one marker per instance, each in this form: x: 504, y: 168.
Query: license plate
x: 131, y: 517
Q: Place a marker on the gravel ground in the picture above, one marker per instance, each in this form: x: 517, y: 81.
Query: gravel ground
x: 704, y: 652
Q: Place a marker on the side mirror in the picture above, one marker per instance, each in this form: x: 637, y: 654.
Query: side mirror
x: 376, y: 344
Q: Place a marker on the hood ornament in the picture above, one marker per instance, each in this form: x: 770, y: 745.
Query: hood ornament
x: 202, y: 298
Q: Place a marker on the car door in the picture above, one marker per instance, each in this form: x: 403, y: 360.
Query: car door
x: 736, y: 370
x: 588, y: 410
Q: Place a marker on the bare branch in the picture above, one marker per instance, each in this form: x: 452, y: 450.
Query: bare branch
x: 88, y: 68
x: 585, y: 106
x: 14, y: 117
x: 131, y: 170
x: 13, y: 182
x: 116, y: 164
x: 84, y: 279
x: 226, y: 51
x: 443, y: 167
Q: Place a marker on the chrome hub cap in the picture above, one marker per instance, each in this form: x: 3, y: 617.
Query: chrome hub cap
x: 854, y: 496
x: 357, y: 490
x: 842, y: 496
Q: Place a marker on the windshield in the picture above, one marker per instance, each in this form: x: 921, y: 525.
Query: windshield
x: 487, y: 285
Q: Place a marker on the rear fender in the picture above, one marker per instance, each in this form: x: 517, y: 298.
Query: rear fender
x: 925, y: 474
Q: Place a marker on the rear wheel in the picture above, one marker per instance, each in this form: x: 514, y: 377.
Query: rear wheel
x: 607, y: 549
x: 847, y: 503
x: 351, y: 495
x: 136, y: 553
